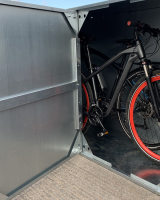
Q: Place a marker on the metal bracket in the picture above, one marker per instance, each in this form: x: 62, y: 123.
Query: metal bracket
x: 144, y: 182
x: 86, y: 151
x: 76, y: 20
x: 82, y: 15
x: 77, y: 144
x: 94, y: 7
x: 85, y: 147
x: 72, y: 19
x: 135, y: 1
x: 91, y: 156
x: 76, y: 63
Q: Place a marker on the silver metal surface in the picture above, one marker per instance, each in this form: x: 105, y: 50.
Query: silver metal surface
x: 37, y: 75
x: 34, y: 137
x: 34, y: 54
x: 33, y: 6
x: 82, y: 14
x: 87, y: 152
x: 76, y: 62
x: 154, y: 187
x: 19, y: 100
x: 96, y: 6
x: 79, y: 83
x: 145, y: 70
x: 85, y: 146
x: 72, y: 18
x: 40, y: 177
x: 77, y: 148
x: 135, y: 1
x: 136, y: 181
x: 90, y: 155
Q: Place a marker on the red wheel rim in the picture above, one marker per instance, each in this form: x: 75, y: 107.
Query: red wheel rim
x: 141, y: 144
x: 148, y: 172
x: 87, y: 99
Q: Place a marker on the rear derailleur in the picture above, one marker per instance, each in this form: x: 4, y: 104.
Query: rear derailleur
x: 95, y: 115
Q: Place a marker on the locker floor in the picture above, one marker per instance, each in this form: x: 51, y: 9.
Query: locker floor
x: 80, y: 178
x: 119, y: 150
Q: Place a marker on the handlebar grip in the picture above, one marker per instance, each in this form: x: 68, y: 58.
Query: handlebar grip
x: 134, y: 24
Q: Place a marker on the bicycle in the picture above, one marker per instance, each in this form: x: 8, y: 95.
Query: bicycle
x: 143, y: 101
x: 131, y: 79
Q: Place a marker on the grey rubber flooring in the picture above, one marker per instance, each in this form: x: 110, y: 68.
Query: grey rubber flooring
x: 80, y: 178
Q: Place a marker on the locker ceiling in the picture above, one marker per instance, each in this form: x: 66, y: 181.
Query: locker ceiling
x: 112, y: 7
x: 105, y: 4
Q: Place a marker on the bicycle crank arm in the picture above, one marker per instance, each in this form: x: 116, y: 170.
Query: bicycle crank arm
x: 105, y: 132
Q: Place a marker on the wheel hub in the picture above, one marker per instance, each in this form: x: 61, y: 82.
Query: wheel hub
x: 148, y: 111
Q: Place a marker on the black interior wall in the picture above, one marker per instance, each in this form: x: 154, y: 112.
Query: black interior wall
x: 110, y: 24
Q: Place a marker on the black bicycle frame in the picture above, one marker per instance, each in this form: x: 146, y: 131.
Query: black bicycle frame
x: 134, y: 53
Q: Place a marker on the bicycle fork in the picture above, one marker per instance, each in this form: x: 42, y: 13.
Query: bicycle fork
x: 152, y: 87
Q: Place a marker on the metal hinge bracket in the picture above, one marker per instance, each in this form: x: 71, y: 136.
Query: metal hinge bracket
x: 82, y: 15
x: 72, y: 19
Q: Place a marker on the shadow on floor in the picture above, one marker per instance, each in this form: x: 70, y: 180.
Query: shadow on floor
x: 119, y: 150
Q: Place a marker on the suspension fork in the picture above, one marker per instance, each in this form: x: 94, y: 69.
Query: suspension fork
x: 148, y: 73
x: 93, y: 79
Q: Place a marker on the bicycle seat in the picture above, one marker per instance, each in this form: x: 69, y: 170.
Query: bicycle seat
x: 126, y: 41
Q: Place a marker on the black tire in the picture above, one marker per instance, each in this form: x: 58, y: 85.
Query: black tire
x: 144, y: 129
x: 86, y: 123
x: 134, y: 75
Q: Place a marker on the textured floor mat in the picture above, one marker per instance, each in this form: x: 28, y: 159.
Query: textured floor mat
x: 80, y: 178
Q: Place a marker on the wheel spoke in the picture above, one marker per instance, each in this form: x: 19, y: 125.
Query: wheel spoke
x: 144, y: 124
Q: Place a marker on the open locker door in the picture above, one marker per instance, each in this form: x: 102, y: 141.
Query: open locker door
x: 39, y: 91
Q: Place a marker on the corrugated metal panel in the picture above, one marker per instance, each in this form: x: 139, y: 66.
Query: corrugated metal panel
x: 35, y: 57
x: 95, y: 5
x: 33, y: 6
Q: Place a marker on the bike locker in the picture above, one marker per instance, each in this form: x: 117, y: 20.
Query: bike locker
x: 43, y: 152
x: 106, y: 24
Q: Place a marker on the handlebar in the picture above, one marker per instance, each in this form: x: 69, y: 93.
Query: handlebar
x: 144, y: 28
x: 134, y: 24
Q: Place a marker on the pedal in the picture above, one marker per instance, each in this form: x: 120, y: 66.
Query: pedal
x: 102, y: 134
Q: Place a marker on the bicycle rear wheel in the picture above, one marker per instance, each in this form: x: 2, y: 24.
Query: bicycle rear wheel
x: 141, y: 118
x: 132, y: 78
x: 87, y: 100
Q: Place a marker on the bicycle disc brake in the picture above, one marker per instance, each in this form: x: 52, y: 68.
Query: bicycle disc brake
x: 95, y: 114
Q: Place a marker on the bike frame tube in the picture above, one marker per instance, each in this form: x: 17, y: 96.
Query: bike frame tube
x: 118, y: 75
x: 127, y: 68
x: 133, y: 51
x: 93, y: 80
x: 103, y: 56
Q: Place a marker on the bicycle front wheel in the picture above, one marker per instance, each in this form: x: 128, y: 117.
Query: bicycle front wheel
x: 141, y: 118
